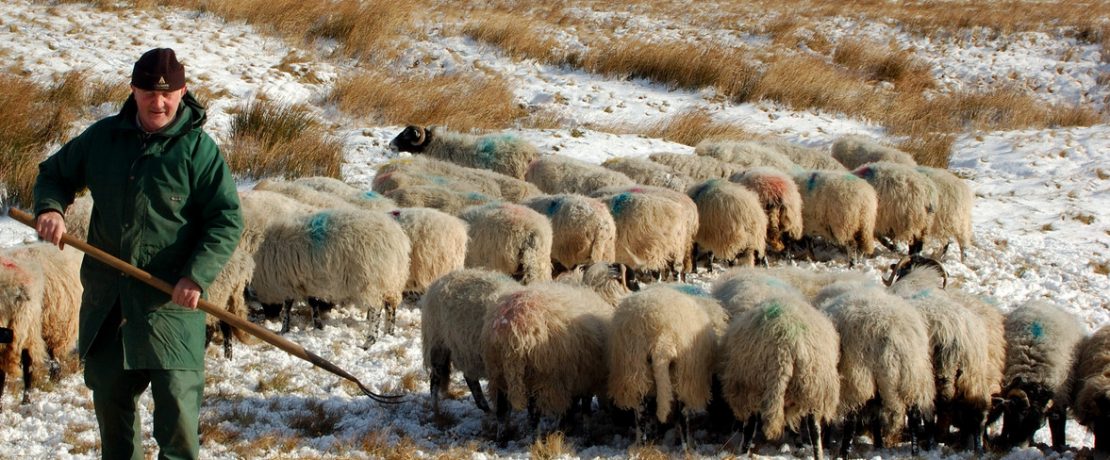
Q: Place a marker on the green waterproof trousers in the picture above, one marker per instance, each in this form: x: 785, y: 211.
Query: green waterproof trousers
x: 176, y: 393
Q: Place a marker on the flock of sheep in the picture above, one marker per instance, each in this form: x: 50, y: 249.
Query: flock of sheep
x: 527, y: 268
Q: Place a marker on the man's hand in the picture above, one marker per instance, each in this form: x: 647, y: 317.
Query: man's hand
x: 186, y: 293
x: 51, y: 226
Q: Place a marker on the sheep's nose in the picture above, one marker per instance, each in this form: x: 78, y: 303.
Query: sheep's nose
x: 6, y: 335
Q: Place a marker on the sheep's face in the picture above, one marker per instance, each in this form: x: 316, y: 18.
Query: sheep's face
x: 413, y: 139
x: 1023, y: 414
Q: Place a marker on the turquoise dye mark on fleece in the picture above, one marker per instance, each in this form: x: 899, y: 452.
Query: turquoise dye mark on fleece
x: 439, y: 180
x: 708, y: 186
x: 772, y: 310
x: 812, y: 182
x: 554, y: 207
x: 1036, y: 329
x: 317, y: 228
x: 475, y: 196
x: 691, y: 290
x: 922, y: 294
x: 372, y: 195
x: 619, y: 203
x: 486, y: 151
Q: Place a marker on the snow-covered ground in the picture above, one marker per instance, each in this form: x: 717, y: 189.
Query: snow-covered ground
x: 1041, y: 215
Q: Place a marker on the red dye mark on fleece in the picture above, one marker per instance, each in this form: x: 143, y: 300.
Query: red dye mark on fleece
x: 513, y: 311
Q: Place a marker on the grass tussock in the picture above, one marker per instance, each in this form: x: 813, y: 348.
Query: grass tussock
x: 463, y: 102
x: 519, y: 36
x: 804, y: 82
x: 879, y: 62
x: 552, y: 446
x: 647, y: 452
x: 315, y: 421
x: 693, y: 126
x: 272, y: 139
x: 678, y: 64
x: 377, y: 444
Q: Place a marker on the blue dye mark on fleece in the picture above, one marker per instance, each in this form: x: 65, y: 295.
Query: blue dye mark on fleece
x: 554, y: 207
x: 317, y: 228
x: 487, y: 147
x: 922, y: 294
x: 475, y: 196
x: 812, y: 182
x: 1036, y: 330
x: 439, y: 180
x: 372, y: 195
x: 772, y: 310
x: 691, y: 290
x: 619, y: 203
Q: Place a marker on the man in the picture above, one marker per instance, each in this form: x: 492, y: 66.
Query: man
x: 165, y: 201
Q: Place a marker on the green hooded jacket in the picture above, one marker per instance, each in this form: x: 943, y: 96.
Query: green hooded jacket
x: 165, y: 202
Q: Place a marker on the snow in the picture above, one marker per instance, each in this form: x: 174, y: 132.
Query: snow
x: 1041, y: 215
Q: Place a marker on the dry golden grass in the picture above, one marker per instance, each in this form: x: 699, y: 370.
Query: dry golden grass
x: 270, y: 139
x: 693, y: 126
x: 376, y: 445
x: 551, y: 446
x: 803, y: 82
x: 520, y: 37
x: 879, y: 62
x: 315, y: 421
x: 647, y: 452
x: 463, y: 102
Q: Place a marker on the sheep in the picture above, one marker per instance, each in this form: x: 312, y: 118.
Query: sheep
x: 731, y: 221
x: 662, y: 345
x: 907, y: 202
x: 583, y: 231
x: 742, y: 289
x: 558, y: 174
x: 805, y: 157
x: 386, y: 181
x: 696, y: 167
x: 437, y: 197
x: 839, y: 208
x: 305, y: 194
x: 41, y: 297
x: 1087, y: 392
x: 647, y: 172
x: 227, y: 291
x: 480, y: 180
x: 655, y: 226
x: 541, y: 345
x: 1042, y: 339
x: 438, y: 245
x: 746, y: 154
x: 511, y: 239
x: 885, y: 365
x: 812, y: 283
x: 342, y: 256
x: 955, y: 201
x: 453, y: 312
x: 371, y: 200
x: 260, y: 209
x: 961, y: 347
x: 780, y: 199
x: 78, y: 215
x: 503, y: 153
x: 610, y: 281
x: 778, y: 365
x: 854, y: 151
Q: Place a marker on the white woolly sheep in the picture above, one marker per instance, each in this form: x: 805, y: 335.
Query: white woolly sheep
x: 387, y: 181
x: 778, y: 367
x: 558, y: 174
x: 505, y: 153
x: 438, y: 197
x: 1041, y: 343
x: 781, y: 201
x: 305, y: 194
x: 742, y: 289
x: 886, y: 371
x: 746, y: 154
x: 647, y: 172
x: 907, y: 202
x: 962, y: 368
x: 1088, y: 388
x: 853, y: 151
x: 698, y: 168
x: 370, y: 200
x: 260, y: 209
x: 839, y: 208
x: 610, y: 281
x: 955, y: 201
x: 78, y: 215
x: 804, y: 157
x: 541, y: 346
x: 453, y: 312
x: 344, y: 257
x: 438, y: 245
x: 583, y: 230
x: 40, y: 296
x: 731, y: 222
x: 227, y: 291
x: 662, y: 345
x: 511, y: 239
x: 811, y: 282
x: 655, y: 227
x: 481, y: 180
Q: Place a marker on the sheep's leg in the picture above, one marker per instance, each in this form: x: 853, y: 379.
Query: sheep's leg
x: 684, y: 431
x: 750, y: 429
x: 814, y: 430
x: 534, y: 417
x: 373, y: 317
x: 850, y: 425
x: 54, y: 367
x: 915, y: 421
x: 286, y: 313
x: 391, y: 317
x: 26, y: 359
x: 314, y: 308
x: 476, y: 393
x: 501, y: 407
x: 916, y: 246
x: 1057, y: 421
x: 440, y: 359
x: 225, y: 331
x: 878, y: 434
x: 1102, y: 438
x: 973, y: 430
x: 3, y: 381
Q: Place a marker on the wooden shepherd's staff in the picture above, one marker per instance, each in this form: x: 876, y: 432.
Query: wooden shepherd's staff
x: 240, y: 323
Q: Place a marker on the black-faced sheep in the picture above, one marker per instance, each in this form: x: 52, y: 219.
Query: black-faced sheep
x: 1041, y: 343
x: 511, y: 239
x: 1088, y: 388
x: 453, y: 312
x: 746, y: 154
x: 227, y: 291
x: 781, y: 202
x: 558, y: 174
x: 583, y: 230
x: 731, y: 222
x: 647, y: 172
x: 839, y: 208
x: 504, y: 153
x: 438, y: 245
x: 344, y: 257
x: 541, y: 346
x: 907, y: 202
x: 854, y: 150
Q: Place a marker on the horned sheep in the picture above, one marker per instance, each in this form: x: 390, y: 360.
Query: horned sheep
x: 583, y: 231
x: 853, y: 151
x: 1088, y: 389
x: 504, y: 153
x: 511, y: 239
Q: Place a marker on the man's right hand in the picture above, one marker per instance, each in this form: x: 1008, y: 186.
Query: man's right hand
x: 51, y: 226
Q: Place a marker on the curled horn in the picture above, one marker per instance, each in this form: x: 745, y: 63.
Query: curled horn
x: 907, y: 264
x: 895, y: 269
x: 418, y: 135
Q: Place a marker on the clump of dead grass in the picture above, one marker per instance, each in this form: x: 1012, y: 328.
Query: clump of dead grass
x: 551, y: 446
x: 274, y: 139
x: 803, y: 82
x: 521, y: 37
x: 693, y: 126
x: 880, y: 62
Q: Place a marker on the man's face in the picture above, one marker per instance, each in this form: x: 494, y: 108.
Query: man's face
x: 157, y: 108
